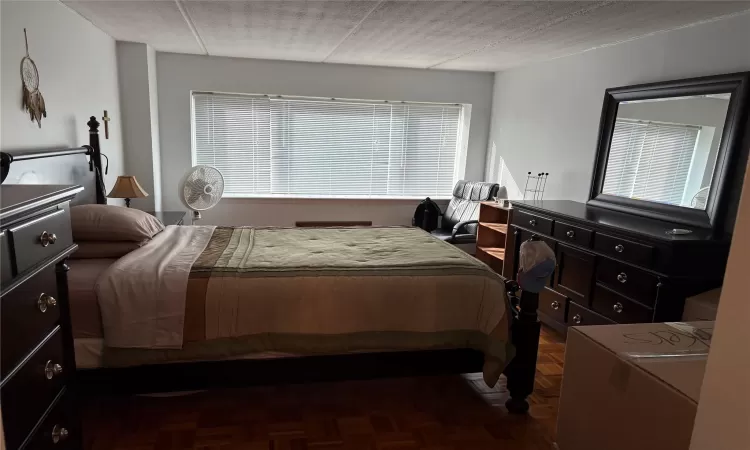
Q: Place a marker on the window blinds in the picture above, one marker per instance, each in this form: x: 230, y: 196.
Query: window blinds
x: 326, y: 148
x: 649, y: 160
x: 232, y: 133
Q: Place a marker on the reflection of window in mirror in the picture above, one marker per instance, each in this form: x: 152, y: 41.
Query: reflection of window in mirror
x: 664, y: 150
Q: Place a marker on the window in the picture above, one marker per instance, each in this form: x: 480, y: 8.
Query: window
x: 650, y: 160
x: 304, y: 147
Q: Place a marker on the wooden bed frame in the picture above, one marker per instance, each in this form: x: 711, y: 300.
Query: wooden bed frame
x: 83, y: 166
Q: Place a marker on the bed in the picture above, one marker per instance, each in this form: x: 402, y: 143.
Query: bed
x: 261, y: 305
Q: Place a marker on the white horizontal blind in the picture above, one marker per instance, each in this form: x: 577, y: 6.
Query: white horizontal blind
x: 325, y: 148
x: 232, y: 133
x: 649, y: 160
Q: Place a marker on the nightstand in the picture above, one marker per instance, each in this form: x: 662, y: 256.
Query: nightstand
x: 172, y: 217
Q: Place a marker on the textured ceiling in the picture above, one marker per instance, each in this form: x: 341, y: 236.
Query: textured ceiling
x: 468, y: 35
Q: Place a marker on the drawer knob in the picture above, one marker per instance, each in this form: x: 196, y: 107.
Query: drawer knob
x: 555, y: 305
x: 619, y: 248
x: 52, y: 370
x: 622, y: 277
x: 571, y: 234
x: 45, y: 301
x: 577, y: 319
x: 47, y: 238
x: 617, y: 307
x: 532, y: 222
x: 59, y: 434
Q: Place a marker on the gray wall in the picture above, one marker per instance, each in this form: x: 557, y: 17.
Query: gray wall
x: 136, y: 66
x: 546, y: 116
x: 77, y: 77
x: 179, y: 74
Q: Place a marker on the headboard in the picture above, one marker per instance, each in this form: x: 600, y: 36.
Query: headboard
x: 81, y: 166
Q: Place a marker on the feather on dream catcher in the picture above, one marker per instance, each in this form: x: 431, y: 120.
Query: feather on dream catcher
x: 33, y: 102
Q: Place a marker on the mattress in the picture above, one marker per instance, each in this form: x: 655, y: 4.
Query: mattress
x: 89, y: 342
x: 87, y: 324
x: 90, y: 354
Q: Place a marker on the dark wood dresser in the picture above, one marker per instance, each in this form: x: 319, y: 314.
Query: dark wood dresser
x: 37, y: 363
x: 615, y: 267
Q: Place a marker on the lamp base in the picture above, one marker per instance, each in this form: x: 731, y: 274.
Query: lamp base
x: 127, y: 203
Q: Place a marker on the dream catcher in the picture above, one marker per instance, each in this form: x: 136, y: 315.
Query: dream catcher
x: 33, y: 102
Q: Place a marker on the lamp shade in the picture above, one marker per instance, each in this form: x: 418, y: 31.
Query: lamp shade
x: 127, y: 186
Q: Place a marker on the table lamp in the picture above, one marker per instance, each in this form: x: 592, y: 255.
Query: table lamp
x: 127, y: 187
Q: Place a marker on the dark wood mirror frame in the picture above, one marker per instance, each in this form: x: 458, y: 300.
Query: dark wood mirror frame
x: 730, y: 163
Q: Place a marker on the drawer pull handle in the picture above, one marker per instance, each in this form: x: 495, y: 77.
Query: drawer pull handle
x: 619, y: 248
x: 45, y: 301
x: 59, y: 434
x: 571, y: 234
x: 532, y: 222
x: 617, y: 307
x: 577, y: 319
x: 47, y: 238
x: 555, y: 305
x: 51, y: 370
x: 622, y: 277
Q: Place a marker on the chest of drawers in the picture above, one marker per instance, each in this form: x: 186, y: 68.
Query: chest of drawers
x: 615, y: 267
x: 37, y: 364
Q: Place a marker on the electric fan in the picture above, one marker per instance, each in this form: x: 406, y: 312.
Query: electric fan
x: 700, y: 198
x: 201, y: 188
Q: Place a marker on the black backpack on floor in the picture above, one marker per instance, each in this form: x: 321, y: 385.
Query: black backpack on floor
x: 426, y: 215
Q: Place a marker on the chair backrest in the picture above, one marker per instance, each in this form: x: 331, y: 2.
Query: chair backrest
x: 465, y: 203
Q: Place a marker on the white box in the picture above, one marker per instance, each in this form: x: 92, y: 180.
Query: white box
x: 632, y: 386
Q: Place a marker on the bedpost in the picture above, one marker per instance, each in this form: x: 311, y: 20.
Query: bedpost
x: 96, y: 159
x: 525, y: 331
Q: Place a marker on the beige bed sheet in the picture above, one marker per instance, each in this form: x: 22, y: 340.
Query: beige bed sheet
x: 84, y: 307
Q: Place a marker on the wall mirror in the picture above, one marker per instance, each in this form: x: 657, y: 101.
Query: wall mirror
x: 668, y: 150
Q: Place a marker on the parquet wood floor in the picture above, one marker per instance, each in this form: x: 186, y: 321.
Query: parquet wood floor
x: 435, y: 413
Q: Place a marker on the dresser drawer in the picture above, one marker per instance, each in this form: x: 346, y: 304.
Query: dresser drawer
x: 40, y: 238
x: 533, y: 222
x: 28, y: 314
x: 574, y: 275
x: 619, y: 308
x: 526, y: 235
x: 573, y: 234
x: 627, y: 280
x: 6, y: 271
x: 553, y: 304
x: 61, y: 429
x: 579, y: 316
x: 30, y: 391
x: 633, y: 252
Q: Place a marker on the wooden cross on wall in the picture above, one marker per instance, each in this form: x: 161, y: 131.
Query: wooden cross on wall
x: 106, y: 124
